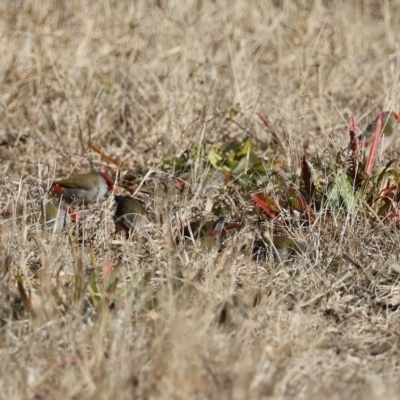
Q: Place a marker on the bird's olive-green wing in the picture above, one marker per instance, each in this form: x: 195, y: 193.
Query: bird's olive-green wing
x: 83, y: 181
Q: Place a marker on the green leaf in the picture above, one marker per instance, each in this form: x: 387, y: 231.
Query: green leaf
x: 95, y: 287
x: 245, y: 163
x: 247, y: 147
x: 215, y: 158
x: 342, y: 195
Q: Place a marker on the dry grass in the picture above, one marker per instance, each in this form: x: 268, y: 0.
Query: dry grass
x: 151, y: 78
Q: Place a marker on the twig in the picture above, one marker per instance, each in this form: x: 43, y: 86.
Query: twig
x: 359, y: 266
x: 103, y: 155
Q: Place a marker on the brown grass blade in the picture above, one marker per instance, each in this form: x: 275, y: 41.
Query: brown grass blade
x: 25, y: 297
x: 273, y: 132
x: 103, y: 154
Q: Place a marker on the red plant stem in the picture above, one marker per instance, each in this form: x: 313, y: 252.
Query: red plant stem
x: 369, y: 166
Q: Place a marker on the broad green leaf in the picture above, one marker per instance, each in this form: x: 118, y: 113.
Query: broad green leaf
x: 247, y: 146
x: 215, y: 158
x: 246, y: 163
x: 342, y: 195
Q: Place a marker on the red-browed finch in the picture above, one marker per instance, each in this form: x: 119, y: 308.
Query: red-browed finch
x: 209, y: 234
x: 51, y: 215
x: 85, y: 188
x: 130, y: 215
x: 281, y: 246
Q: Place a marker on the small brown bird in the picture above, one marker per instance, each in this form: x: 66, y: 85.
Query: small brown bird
x: 166, y: 192
x: 160, y: 193
x: 280, y: 246
x: 208, y: 234
x: 56, y: 217
x: 87, y: 188
x: 130, y: 215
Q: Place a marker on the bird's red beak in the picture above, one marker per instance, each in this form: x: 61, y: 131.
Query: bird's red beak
x: 56, y: 188
x: 110, y: 182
